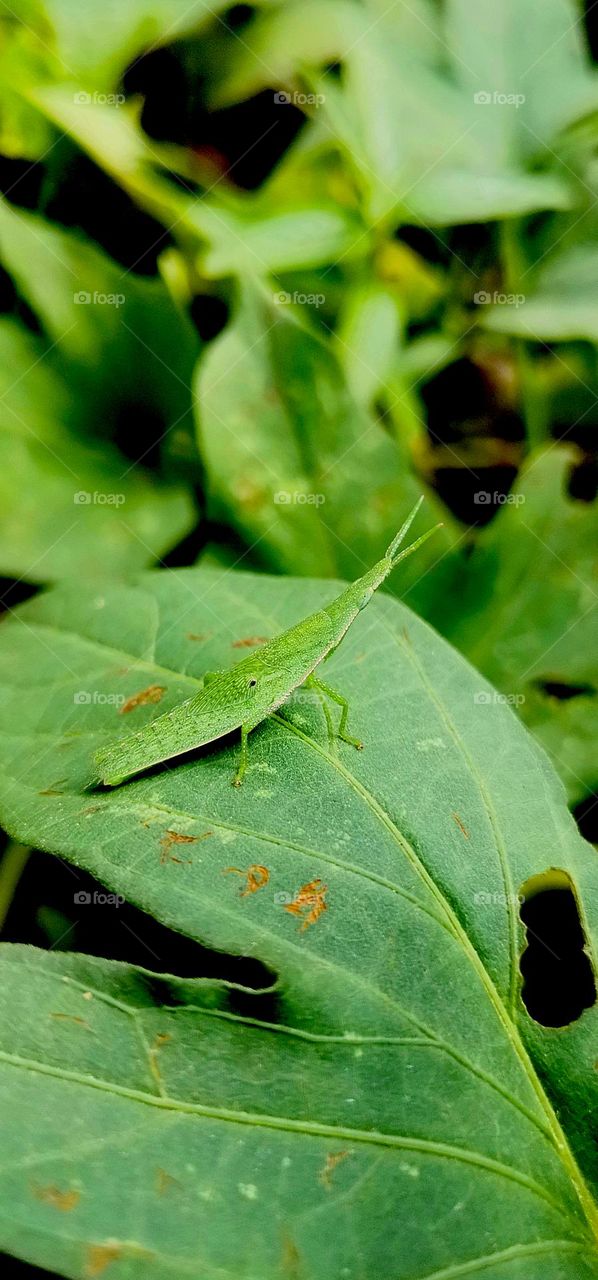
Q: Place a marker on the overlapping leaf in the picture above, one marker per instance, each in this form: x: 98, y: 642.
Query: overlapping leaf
x: 287, y: 448
x: 527, y: 612
x: 69, y: 505
x: 393, y: 1119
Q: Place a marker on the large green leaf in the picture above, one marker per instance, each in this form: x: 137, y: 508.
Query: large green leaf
x: 398, y: 1118
x: 524, y: 609
x: 232, y: 234
x: 559, y: 303
x: 98, y: 51
x: 480, y: 144
x: 68, y: 505
x: 289, y: 454
x: 128, y: 347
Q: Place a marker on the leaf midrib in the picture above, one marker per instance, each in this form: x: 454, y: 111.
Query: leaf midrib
x: 560, y: 1142
x: 559, y: 1139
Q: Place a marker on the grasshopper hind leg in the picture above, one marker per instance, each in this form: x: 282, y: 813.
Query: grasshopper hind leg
x: 341, y: 732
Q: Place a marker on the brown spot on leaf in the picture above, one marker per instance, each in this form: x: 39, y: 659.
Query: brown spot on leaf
x: 332, y: 1160
x: 309, y: 903
x: 70, y: 1017
x: 198, y: 635
x: 247, y: 642
x: 256, y: 877
x: 460, y: 825
x: 164, y: 1181
x: 54, y: 789
x: 290, y: 1257
x: 176, y: 837
x: 161, y: 1039
x: 99, y: 1256
x: 65, y: 1201
x: 144, y: 698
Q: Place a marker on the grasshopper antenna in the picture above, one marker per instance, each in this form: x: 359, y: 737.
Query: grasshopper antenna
x: 391, y: 553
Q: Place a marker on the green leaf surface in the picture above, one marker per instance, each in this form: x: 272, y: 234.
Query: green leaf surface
x: 286, y: 448
x: 525, y: 610
x: 232, y: 235
x: 127, y: 346
x: 480, y: 144
x: 397, y: 1118
x: 559, y: 303
x: 99, y: 51
x: 68, y: 505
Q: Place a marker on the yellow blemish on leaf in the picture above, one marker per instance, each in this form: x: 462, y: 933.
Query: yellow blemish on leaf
x: 65, y: 1201
x: 161, y: 1039
x: 256, y: 877
x: 290, y: 1257
x: 54, y: 789
x: 152, y: 694
x: 99, y: 1256
x: 460, y: 825
x: 333, y: 1159
x: 309, y: 903
x: 164, y: 1181
x: 71, y: 1017
x: 247, y: 642
x: 176, y: 837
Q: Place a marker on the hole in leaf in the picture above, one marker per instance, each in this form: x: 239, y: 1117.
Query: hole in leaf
x: 558, y: 983
x: 562, y: 690
x: 586, y: 817
x: 49, y: 910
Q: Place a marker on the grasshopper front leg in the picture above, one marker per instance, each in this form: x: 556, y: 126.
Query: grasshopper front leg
x: 341, y: 702
x: 241, y: 771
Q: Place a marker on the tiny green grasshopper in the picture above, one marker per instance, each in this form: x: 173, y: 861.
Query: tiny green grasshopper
x: 252, y: 690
